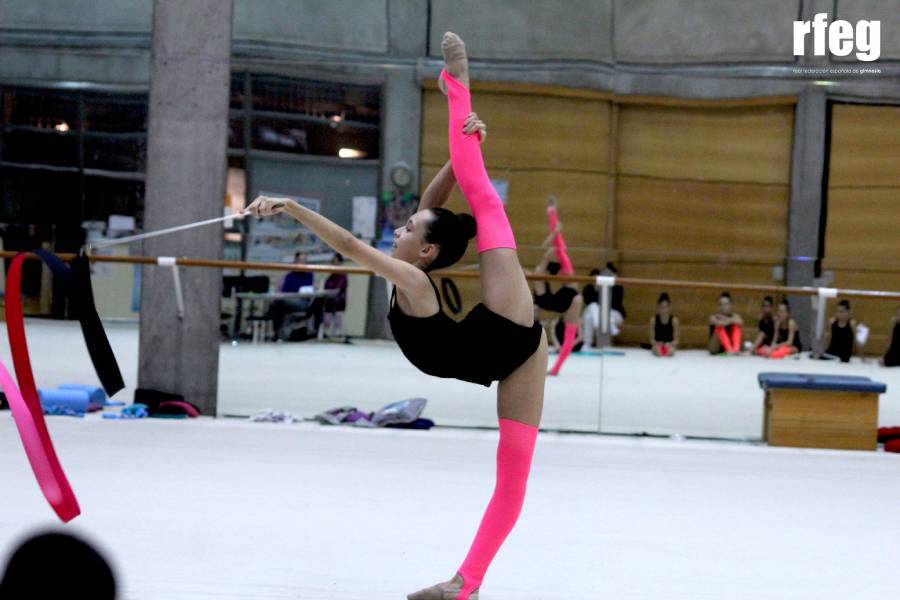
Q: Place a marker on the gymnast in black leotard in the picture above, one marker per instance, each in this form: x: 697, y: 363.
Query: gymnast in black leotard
x: 497, y: 341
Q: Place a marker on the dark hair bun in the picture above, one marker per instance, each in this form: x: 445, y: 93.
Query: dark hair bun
x: 466, y: 225
x: 664, y: 297
x: 451, y: 232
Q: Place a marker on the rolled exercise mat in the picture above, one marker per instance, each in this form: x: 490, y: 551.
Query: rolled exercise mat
x: 26, y: 406
x: 96, y: 394
x: 76, y: 400
x: 40, y: 452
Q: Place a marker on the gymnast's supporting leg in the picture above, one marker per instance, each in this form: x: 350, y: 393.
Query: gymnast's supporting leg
x: 520, y: 400
x: 570, y: 319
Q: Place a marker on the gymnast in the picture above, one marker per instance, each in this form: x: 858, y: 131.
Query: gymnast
x: 786, y: 334
x: 565, y: 301
x: 497, y: 341
x: 725, y: 328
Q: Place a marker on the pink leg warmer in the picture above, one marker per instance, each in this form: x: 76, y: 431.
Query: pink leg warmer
x: 724, y: 339
x: 514, y: 454
x: 493, y: 230
x: 780, y: 352
x: 565, y: 264
x: 736, y: 337
x: 569, y: 334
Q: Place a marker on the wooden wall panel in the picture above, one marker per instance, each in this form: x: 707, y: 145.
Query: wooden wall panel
x: 744, y: 219
x: 862, y: 239
x: 865, y: 146
x: 702, y: 194
x: 541, y: 132
x: 864, y: 224
x: 744, y: 144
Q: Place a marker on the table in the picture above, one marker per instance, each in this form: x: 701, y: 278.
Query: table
x: 265, y: 298
x: 820, y: 411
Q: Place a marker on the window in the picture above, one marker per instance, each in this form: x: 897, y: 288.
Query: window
x: 297, y: 116
x: 71, y: 155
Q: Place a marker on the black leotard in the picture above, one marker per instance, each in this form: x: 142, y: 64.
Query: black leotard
x: 558, y: 301
x: 784, y: 333
x: 482, y: 348
x: 767, y: 327
x: 663, y: 332
x: 892, y: 356
x: 841, y: 344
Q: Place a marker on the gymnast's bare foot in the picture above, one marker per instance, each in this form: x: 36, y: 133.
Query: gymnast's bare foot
x: 455, y: 60
x: 443, y: 591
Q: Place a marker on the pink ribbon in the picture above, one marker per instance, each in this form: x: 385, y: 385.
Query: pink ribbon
x: 26, y: 406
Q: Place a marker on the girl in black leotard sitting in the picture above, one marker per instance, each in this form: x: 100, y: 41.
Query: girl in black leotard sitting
x: 766, y: 326
x: 841, y: 333
x: 787, y: 336
x: 664, y: 328
x: 891, y: 356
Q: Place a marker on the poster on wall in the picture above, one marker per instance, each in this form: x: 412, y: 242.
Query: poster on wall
x: 276, y: 239
x: 502, y: 188
x: 394, y: 211
x: 364, y: 210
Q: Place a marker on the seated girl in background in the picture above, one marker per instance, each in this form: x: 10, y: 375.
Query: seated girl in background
x: 891, y: 356
x: 663, y: 328
x: 766, y: 327
x: 334, y: 306
x: 787, y: 335
x: 841, y: 333
x: 725, y: 328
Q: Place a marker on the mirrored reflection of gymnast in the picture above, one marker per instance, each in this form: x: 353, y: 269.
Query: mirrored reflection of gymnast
x: 567, y: 300
x: 497, y: 341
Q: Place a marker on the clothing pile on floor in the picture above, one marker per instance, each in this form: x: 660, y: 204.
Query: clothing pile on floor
x: 405, y: 414
x: 890, y: 437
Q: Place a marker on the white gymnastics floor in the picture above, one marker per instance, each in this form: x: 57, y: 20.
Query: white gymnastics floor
x: 231, y: 509
x: 692, y: 394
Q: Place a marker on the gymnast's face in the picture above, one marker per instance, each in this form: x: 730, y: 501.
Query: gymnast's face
x: 662, y: 307
x: 783, y: 313
x: 409, y: 240
x: 725, y: 305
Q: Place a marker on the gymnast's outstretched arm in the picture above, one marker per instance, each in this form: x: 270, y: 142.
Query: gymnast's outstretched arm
x: 405, y: 276
x: 438, y: 191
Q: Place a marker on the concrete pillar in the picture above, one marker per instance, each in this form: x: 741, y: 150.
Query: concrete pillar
x: 401, y: 118
x: 807, y: 197
x: 186, y: 166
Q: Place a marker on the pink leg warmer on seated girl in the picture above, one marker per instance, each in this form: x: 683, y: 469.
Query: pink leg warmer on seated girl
x: 569, y: 334
x: 736, y: 337
x: 493, y: 230
x: 724, y: 339
x: 565, y: 264
x: 514, y: 453
x: 780, y: 352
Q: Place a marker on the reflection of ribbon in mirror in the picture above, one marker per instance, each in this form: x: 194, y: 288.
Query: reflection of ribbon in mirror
x: 24, y: 402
